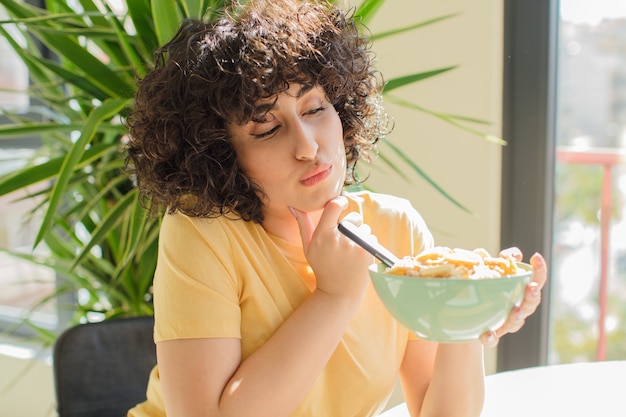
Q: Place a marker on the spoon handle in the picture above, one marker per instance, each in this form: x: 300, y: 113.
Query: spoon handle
x: 375, y: 248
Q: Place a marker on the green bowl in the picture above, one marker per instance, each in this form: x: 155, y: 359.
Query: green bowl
x: 450, y: 309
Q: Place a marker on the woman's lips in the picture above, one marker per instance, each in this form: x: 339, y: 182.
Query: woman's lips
x: 316, y: 176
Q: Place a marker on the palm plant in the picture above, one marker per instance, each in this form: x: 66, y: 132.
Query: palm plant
x: 98, y: 237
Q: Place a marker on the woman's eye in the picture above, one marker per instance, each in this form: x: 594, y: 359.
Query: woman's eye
x: 266, y: 133
x: 316, y: 110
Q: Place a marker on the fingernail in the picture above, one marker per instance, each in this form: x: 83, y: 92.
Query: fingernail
x: 519, y: 314
x: 491, y: 339
x: 538, y: 259
x: 534, y: 289
x: 293, y: 212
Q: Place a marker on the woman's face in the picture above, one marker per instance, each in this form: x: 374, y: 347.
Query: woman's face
x: 293, y: 149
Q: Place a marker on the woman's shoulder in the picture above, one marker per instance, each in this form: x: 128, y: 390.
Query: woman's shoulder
x: 394, y: 221
x: 217, y: 238
x: 180, y: 224
x: 379, y: 202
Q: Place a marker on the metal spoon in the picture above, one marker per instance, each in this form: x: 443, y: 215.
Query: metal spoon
x: 375, y: 248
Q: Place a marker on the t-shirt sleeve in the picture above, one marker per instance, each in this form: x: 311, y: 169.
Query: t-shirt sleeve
x: 195, y: 290
x: 397, y: 224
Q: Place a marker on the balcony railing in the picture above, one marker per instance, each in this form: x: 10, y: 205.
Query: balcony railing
x: 607, y: 159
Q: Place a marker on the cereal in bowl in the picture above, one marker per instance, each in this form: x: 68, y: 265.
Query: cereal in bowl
x: 443, y: 262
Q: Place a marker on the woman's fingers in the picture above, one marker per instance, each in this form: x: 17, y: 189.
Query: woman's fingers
x: 489, y: 339
x: 331, y: 213
x: 532, y: 295
x: 541, y: 270
x: 305, y: 224
x: 514, y: 322
x: 532, y: 299
x: 328, y: 221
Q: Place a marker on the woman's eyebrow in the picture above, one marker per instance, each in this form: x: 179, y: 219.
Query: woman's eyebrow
x: 305, y: 88
x: 263, y: 108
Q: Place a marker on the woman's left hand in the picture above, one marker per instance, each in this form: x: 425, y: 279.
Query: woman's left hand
x: 532, y: 298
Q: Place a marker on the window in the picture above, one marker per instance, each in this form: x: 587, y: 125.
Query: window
x: 542, y: 109
x: 23, y: 283
x: 589, y: 248
x: 13, y: 76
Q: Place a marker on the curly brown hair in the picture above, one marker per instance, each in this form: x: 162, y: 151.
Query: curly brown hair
x: 212, y: 73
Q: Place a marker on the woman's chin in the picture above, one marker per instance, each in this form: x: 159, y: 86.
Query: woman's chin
x: 327, y: 199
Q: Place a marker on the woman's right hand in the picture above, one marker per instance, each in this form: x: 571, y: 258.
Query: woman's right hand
x: 339, y: 264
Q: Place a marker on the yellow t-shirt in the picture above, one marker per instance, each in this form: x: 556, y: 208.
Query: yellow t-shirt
x: 230, y: 278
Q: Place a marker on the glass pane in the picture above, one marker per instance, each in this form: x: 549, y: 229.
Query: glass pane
x: 588, y: 305
x: 22, y: 284
x: 13, y: 75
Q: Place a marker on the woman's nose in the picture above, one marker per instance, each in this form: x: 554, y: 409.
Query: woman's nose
x: 305, y: 144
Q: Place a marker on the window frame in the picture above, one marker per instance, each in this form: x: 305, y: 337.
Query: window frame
x: 529, y: 109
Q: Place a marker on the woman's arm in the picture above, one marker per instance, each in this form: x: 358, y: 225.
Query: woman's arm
x: 204, y: 377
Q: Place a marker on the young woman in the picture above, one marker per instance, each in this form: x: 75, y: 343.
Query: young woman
x: 246, y: 132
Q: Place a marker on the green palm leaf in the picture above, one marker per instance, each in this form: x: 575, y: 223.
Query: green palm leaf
x: 31, y: 175
x: 69, y: 48
x: 13, y: 131
x: 141, y: 15
x: 167, y: 18
x: 451, y: 119
x: 425, y: 176
x: 110, y: 221
x: 366, y: 11
x: 413, y: 78
x: 108, y: 109
x: 397, y: 31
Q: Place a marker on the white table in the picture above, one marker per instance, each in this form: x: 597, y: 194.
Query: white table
x: 593, y: 389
